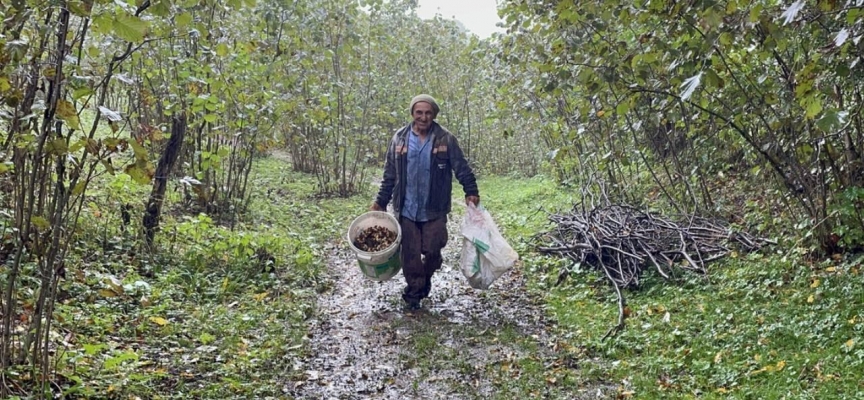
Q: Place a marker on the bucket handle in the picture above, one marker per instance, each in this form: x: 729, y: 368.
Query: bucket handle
x: 364, y: 258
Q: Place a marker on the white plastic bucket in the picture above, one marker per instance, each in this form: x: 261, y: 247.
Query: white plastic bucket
x: 381, y: 265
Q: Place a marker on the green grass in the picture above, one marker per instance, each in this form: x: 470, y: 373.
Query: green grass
x: 760, y: 326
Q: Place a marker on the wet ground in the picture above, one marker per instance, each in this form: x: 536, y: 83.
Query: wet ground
x: 463, y: 344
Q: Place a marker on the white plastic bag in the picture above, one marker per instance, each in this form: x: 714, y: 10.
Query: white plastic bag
x: 485, y: 254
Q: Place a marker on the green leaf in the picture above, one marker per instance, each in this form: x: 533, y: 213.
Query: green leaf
x: 183, y: 20
x: 211, y: 118
x: 108, y: 166
x: 92, y: 349
x: 113, y: 362
x: 222, y: 49
x: 206, y: 338
x: 161, y: 8
x: 80, y: 8
x: 755, y: 13
x: 713, y: 80
x: 129, y: 27
x: 79, y: 188
x: 81, y: 92
x: 137, y: 174
x: 66, y: 112
x: 57, y: 147
x: 40, y: 222
x: 102, y: 23
x: 814, y: 107
x: 623, y: 107
x: 139, y: 150
x: 832, y: 120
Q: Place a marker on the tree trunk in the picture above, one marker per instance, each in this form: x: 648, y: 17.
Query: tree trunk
x: 160, y: 180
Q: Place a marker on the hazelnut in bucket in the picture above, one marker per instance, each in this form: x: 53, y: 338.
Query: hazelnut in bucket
x: 375, y: 237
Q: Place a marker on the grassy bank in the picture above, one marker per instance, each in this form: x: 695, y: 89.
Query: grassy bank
x: 768, y: 325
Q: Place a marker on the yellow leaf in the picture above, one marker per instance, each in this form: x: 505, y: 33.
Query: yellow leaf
x: 811, y: 299
x: 601, y: 113
x: 852, y: 321
x: 830, y: 269
x: 757, y: 357
x: 260, y: 296
x: 722, y: 390
x: 718, y: 357
x: 850, y: 343
x: 780, y: 365
x: 815, y: 283
x: 159, y: 321
x: 107, y: 293
x: 67, y: 112
x: 224, y: 283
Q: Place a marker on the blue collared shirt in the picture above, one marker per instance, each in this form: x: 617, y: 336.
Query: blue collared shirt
x: 417, y: 180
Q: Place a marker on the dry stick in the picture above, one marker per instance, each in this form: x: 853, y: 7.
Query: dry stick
x: 617, y: 328
x: 654, y: 260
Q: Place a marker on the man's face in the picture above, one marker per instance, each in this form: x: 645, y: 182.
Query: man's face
x: 423, y: 115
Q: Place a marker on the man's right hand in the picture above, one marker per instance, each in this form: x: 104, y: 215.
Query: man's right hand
x: 375, y: 207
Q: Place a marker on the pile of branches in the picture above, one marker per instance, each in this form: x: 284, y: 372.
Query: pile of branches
x: 622, y: 242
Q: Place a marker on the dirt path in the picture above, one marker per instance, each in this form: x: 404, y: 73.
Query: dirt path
x: 464, y: 344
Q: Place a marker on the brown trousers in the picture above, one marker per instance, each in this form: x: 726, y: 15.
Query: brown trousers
x: 421, y: 254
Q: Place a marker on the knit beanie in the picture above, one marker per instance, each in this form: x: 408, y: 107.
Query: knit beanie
x: 424, y: 98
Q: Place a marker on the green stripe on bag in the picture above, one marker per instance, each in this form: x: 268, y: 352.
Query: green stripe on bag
x: 482, y: 247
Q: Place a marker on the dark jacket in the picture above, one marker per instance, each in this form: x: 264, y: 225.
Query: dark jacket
x: 447, y: 158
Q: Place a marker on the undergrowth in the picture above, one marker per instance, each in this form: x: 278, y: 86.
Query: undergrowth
x: 213, y: 313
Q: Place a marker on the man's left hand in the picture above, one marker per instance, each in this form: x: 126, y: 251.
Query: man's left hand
x: 472, y: 200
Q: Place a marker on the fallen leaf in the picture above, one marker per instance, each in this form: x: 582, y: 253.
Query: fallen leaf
x: 811, y: 299
x: 312, y: 375
x: 815, y: 283
x: 260, y: 296
x: 850, y: 343
x: 159, y: 321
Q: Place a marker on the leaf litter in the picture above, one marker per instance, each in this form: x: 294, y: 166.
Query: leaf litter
x: 463, y: 344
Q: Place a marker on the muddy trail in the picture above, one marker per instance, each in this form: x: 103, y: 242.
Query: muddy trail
x: 463, y: 344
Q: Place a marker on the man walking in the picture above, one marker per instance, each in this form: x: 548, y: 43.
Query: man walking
x: 418, y: 177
